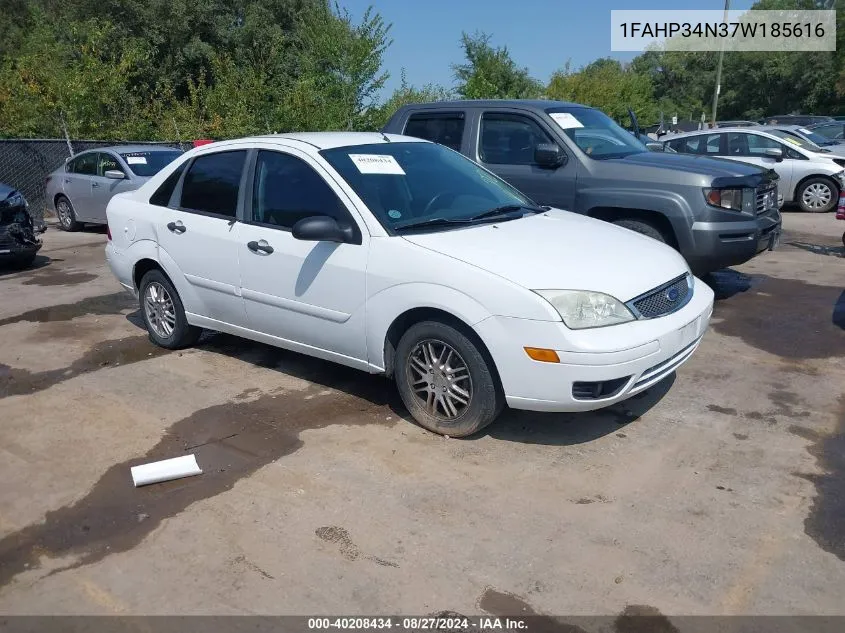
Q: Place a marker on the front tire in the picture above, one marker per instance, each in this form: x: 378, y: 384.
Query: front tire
x: 817, y: 195
x: 66, y: 215
x: 163, y: 313
x: 445, y: 380
x: 644, y: 228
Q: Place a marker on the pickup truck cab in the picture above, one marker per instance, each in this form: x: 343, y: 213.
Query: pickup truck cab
x: 716, y: 213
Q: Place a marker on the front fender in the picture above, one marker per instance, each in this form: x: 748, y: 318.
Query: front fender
x: 673, y: 206
x: 386, y: 306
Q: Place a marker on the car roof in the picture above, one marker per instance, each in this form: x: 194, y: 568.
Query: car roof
x: 757, y: 129
x: 321, y: 140
x: 127, y: 149
x: 537, y: 104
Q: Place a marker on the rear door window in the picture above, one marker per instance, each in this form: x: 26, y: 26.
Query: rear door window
x: 444, y: 128
x: 86, y: 164
x: 212, y: 184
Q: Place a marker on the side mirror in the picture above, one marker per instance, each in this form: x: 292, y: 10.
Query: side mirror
x: 549, y: 155
x: 114, y: 174
x: 322, y: 228
x: 774, y: 152
x: 655, y: 147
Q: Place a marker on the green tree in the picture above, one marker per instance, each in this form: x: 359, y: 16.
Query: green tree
x: 607, y: 85
x: 490, y: 73
x: 403, y: 95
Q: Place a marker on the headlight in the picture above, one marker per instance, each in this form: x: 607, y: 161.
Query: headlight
x: 582, y: 309
x: 15, y: 200
x: 724, y: 198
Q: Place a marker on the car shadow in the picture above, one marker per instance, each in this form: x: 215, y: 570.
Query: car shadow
x: 839, y: 311
x: 512, y: 425
x: 40, y: 261
x: 818, y: 249
x: 727, y: 282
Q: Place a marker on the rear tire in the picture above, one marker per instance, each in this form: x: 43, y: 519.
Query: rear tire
x: 163, y: 313
x: 817, y: 195
x: 445, y: 381
x: 66, y: 215
x: 644, y: 228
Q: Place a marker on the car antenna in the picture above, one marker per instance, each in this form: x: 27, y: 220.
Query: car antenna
x: 384, y: 136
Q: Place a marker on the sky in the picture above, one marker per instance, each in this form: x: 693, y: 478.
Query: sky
x: 541, y: 35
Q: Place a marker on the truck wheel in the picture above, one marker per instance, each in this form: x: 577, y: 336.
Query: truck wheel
x: 445, y: 381
x: 163, y: 313
x: 817, y: 195
x: 638, y: 226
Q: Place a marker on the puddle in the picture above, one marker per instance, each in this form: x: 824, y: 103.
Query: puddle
x: 51, y: 276
x: 825, y: 523
x: 785, y: 317
x: 104, y: 304
x: 123, y: 351
x: 231, y: 441
x: 507, y: 605
x: 828, y: 245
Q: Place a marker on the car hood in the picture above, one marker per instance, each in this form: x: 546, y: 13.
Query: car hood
x: 562, y: 251
x: 704, y: 165
x: 5, y: 191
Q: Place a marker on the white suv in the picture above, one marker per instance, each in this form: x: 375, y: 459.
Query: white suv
x: 399, y: 256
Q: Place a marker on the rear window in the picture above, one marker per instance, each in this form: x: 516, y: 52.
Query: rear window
x: 446, y: 129
x: 147, y: 164
x: 212, y: 183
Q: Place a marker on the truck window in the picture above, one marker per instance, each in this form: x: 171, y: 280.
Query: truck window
x: 509, y: 139
x: 444, y: 128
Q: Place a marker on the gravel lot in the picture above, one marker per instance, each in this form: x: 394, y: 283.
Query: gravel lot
x: 721, y: 491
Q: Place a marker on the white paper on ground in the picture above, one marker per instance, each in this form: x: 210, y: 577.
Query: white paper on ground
x: 165, y: 470
x: 565, y: 120
x: 136, y: 160
x: 377, y: 164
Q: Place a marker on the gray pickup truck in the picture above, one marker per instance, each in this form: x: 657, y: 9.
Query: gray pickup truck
x: 716, y: 212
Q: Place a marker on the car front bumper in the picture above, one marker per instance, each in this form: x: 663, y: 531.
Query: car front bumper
x: 634, y: 356
x: 720, y: 244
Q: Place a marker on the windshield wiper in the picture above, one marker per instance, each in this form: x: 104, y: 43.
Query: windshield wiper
x: 431, y: 222
x: 507, y: 208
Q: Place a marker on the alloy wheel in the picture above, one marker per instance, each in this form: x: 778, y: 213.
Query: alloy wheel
x: 159, y: 309
x: 439, y: 379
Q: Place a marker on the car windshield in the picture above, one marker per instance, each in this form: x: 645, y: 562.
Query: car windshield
x: 795, y: 139
x: 816, y: 138
x: 595, y: 133
x: 424, y: 185
x: 149, y: 163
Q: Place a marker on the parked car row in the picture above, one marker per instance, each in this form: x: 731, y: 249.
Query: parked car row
x: 812, y: 178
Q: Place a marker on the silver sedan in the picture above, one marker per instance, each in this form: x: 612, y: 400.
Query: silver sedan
x: 80, y: 190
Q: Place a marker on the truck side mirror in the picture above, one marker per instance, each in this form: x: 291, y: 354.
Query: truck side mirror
x: 549, y: 155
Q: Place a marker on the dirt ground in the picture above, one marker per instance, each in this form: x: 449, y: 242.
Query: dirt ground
x: 720, y: 491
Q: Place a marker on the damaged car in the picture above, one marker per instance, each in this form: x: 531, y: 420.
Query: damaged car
x: 18, y: 243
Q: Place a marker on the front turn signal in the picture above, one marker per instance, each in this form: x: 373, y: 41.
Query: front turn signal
x: 542, y: 355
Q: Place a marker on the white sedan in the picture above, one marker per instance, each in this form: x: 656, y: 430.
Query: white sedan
x: 398, y: 256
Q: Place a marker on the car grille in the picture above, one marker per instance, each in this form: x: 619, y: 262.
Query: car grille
x: 766, y: 199
x: 664, y: 299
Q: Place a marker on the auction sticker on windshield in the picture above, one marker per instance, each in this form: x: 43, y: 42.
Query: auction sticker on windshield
x: 565, y: 120
x: 377, y: 164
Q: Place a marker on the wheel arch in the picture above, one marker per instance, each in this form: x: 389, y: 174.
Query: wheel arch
x: 403, y: 322
x: 656, y: 219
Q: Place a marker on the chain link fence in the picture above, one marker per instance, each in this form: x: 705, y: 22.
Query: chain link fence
x: 26, y: 163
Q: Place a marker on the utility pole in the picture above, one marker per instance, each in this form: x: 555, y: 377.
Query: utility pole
x: 719, y: 69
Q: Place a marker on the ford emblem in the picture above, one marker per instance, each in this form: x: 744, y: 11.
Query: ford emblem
x: 672, y: 295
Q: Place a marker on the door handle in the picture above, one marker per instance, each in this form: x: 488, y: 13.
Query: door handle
x: 260, y: 245
x: 176, y: 227
x: 95, y: 184
x: 67, y: 181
